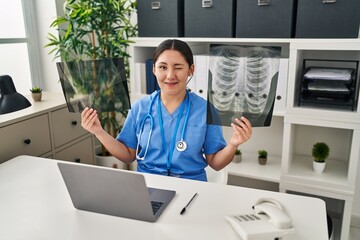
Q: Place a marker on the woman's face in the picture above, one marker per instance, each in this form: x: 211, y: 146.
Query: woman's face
x: 172, y: 72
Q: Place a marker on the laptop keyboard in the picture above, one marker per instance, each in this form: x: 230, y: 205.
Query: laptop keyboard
x: 156, y: 206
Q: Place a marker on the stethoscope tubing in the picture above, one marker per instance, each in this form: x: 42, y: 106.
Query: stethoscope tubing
x: 151, y: 118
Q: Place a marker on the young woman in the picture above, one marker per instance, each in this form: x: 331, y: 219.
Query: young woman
x: 166, y: 132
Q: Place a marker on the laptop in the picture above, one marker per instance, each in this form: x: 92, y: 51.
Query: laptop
x: 113, y: 192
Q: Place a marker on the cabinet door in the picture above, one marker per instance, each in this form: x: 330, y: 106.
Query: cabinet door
x: 29, y: 137
x: 66, y: 126
x: 81, y: 152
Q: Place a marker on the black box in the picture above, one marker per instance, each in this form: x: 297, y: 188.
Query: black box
x: 328, y: 19
x: 209, y: 18
x: 160, y: 18
x: 265, y: 18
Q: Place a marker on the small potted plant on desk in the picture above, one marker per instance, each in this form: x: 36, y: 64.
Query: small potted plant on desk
x: 237, y: 156
x: 36, y: 93
x: 320, y: 152
x: 262, y: 157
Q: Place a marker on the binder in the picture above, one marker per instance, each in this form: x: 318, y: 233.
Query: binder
x: 280, y: 99
x: 201, y: 75
x: 140, y: 75
x: 151, y: 81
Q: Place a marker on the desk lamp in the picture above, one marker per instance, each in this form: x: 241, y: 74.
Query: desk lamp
x: 10, y: 100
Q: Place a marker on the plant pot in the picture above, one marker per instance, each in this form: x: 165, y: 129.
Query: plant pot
x: 319, y: 166
x: 36, y: 96
x: 262, y: 161
x: 109, y: 161
x: 237, y: 158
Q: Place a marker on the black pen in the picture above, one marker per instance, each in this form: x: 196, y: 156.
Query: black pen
x: 184, y: 209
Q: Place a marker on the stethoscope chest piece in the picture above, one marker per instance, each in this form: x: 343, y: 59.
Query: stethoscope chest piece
x: 181, y: 146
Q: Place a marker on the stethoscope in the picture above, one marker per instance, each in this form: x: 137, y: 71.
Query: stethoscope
x: 180, y: 145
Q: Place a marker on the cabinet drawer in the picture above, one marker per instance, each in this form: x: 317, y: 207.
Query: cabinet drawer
x: 82, y: 152
x: 30, y: 137
x: 66, y: 126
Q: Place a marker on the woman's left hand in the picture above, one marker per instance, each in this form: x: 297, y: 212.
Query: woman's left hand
x: 242, y: 131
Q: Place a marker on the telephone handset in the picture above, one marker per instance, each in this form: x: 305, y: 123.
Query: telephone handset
x: 275, y: 211
x: 269, y: 221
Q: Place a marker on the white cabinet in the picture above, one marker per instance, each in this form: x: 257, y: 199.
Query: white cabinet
x: 66, y: 126
x: 306, y: 125
x: 78, y: 152
x: 294, y: 128
x: 30, y: 136
x: 45, y: 129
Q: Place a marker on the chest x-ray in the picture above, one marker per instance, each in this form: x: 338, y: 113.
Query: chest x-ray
x: 242, y: 82
x: 100, y: 84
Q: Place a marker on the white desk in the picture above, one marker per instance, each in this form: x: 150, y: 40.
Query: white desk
x: 35, y: 205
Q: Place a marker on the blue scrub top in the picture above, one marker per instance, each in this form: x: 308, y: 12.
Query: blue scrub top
x: 200, y: 138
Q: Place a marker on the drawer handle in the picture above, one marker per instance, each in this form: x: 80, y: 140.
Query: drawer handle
x: 155, y: 5
x: 74, y: 122
x: 329, y: 1
x: 77, y: 160
x: 278, y: 97
x: 263, y: 2
x: 27, y: 141
x: 207, y: 3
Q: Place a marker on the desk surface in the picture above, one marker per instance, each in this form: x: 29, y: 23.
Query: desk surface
x: 35, y: 205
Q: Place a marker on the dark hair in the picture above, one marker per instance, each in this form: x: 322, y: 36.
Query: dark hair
x: 174, y: 44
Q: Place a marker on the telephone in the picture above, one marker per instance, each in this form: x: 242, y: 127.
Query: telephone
x: 268, y: 221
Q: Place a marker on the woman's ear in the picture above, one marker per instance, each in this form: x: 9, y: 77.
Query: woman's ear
x: 191, y: 70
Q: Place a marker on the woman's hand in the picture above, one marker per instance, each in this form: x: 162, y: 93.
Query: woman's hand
x: 242, y: 131
x: 90, y: 121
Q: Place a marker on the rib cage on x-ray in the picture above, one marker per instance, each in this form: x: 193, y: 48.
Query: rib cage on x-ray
x: 241, y: 78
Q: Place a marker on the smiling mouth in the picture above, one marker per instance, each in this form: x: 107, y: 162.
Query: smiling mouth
x: 171, y: 83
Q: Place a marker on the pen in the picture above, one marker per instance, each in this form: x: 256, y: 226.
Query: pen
x: 184, y: 209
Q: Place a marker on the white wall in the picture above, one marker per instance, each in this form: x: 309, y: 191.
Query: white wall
x: 46, y: 13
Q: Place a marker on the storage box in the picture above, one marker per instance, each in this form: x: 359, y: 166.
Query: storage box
x: 160, y: 18
x: 209, y: 18
x: 265, y: 18
x: 328, y: 19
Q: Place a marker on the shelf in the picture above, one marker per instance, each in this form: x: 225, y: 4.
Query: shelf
x: 296, y: 43
x: 326, y: 44
x: 334, y: 177
x: 154, y: 41
x: 328, y: 54
x: 328, y: 119
x: 250, y: 168
x: 294, y: 129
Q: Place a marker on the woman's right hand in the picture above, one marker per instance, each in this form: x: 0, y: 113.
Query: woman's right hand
x: 90, y: 121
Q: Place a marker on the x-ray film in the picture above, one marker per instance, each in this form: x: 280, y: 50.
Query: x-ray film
x: 242, y: 82
x: 100, y: 84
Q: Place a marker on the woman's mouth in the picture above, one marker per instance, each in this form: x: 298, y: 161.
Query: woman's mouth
x: 171, y: 83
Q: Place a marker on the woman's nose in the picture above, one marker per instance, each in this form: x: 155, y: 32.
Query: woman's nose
x: 171, y: 74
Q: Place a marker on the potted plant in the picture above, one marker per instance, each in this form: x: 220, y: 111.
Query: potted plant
x: 320, y: 152
x: 262, y: 157
x: 36, y: 94
x: 237, y: 156
x: 92, y: 42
